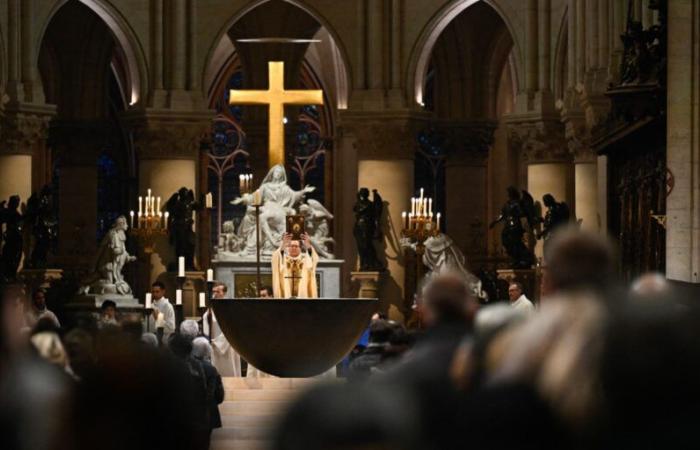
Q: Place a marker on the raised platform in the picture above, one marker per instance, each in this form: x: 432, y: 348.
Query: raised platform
x: 294, y: 337
x: 239, y: 276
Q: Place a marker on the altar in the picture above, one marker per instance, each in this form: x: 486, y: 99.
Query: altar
x: 239, y: 276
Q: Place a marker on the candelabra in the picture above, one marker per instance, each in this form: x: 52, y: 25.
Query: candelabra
x: 150, y: 222
x: 419, y: 226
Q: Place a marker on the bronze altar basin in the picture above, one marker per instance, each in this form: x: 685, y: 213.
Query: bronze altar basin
x: 294, y: 337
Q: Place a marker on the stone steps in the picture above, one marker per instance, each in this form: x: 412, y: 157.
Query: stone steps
x: 250, y: 409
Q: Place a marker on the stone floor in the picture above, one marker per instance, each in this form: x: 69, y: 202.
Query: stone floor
x: 250, y: 409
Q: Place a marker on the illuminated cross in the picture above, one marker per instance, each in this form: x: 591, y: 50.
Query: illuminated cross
x: 275, y: 97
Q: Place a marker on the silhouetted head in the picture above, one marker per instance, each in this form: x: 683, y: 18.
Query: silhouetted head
x: 548, y: 200
x: 513, y: 193
x: 14, y: 202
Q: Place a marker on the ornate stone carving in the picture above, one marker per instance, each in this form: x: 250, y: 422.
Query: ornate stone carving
x: 22, y: 129
x: 539, y: 142
x: 382, y: 136
x: 169, y: 136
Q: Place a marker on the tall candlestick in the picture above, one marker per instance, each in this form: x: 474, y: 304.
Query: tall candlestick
x: 167, y: 214
x: 210, y: 275
x: 181, y: 266
x: 178, y: 296
x: 438, y: 221
x: 131, y: 214
x: 149, y: 298
x: 202, y: 300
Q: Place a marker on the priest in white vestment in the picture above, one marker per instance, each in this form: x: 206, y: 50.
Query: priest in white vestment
x: 294, y: 271
x: 223, y: 356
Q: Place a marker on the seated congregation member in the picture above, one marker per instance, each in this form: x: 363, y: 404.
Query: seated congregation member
x: 163, y: 315
x: 108, y: 314
x: 38, y: 310
x: 223, y: 356
x: 265, y: 292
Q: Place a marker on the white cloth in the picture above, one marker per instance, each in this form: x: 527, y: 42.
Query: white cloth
x: 164, y: 307
x: 32, y: 316
x: 524, y: 305
x: 223, y: 356
x: 281, y: 273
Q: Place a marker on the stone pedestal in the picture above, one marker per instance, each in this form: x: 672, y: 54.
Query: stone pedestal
x: 39, y: 278
x: 95, y: 300
x: 529, y: 278
x: 239, y: 276
x: 369, y: 283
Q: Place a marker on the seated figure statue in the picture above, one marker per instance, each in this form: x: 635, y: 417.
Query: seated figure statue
x: 278, y: 201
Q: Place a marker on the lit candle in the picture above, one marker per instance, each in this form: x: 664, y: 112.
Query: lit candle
x: 421, y: 194
x: 251, y: 181
x: 131, y: 214
x: 178, y: 296
x: 138, y: 220
x: 181, y: 266
x: 209, y: 200
x: 149, y: 298
x: 158, y: 208
x: 403, y: 219
x: 202, y: 300
x: 140, y: 205
x: 430, y: 206
x: 241, y: 182
x: 210, y: 275
x: 167, y: 214
x: 438, y: 221
x: 413, y: 206
x: 425, y: 206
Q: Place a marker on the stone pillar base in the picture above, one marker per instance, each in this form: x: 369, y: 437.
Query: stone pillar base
x: 39, y: 278
x: 529, y: 278
x: 369, y: 283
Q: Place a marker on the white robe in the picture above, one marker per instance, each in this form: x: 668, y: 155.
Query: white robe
x: 166, y: 308
x: 223, y: 356
x: 282, y: 284
x: 523, y: 304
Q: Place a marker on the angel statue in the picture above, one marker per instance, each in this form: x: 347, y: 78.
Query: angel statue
x: 367, y: 216
x: 517, y: 207
x: 278, y: 201
x: 316, y: 217
x: 181, y: 206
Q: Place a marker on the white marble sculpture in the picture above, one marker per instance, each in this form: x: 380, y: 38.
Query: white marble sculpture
x: 278, y: 200
x: 442, y: 254
x: 112, y: 255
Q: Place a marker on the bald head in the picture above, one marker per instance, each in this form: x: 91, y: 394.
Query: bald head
x: 650, y: 285
x: 447, y: 299
x: 579, y: 260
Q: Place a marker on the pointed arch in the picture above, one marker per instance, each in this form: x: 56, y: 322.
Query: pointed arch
x: 124, y: 35
x: 419, y: 60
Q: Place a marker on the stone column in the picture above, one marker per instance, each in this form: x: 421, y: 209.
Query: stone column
x: 77, y: 144
x: 586, y: 189
x: 385, y: 152
x: 466, y: 184
x: 549, y: 169
x: 158, y: 97
x: 167, y: 145
x: 23, y: 132
x: 571, y: 48
x: 532, y: 53
x: 580, y: 40
x: 178, y: 54
x: 683, y: 143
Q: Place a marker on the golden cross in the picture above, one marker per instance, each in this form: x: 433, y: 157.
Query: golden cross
x: 275, y: 97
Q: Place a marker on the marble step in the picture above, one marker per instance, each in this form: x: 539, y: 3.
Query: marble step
x: 267, y: 383
x: 253, y: 408
x: 228, y: 444
x: 260, y: 394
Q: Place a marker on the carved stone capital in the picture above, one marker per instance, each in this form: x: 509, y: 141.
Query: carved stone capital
x: 22, y: 127
x: 169, y: 135
x: 384, y: 135
x: 539, y: 141
x: 468, y: 143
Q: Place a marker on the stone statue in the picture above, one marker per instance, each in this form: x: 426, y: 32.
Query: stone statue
x: 513, y: 211
x: 107, y: 277
x: 13, y: 242
x: 278, y: 200
x: 557, y: 215
x: 441, y: 254
x: 44, y: 225
x: 366, y: 231
x: 181, y: 206
x: 316, y: 217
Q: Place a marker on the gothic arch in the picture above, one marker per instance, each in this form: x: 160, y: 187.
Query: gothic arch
x: 219, y: 54
x: 123, y: 34
x: 420, y: 55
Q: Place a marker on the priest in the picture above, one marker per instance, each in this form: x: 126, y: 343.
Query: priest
x: 294, y: 270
